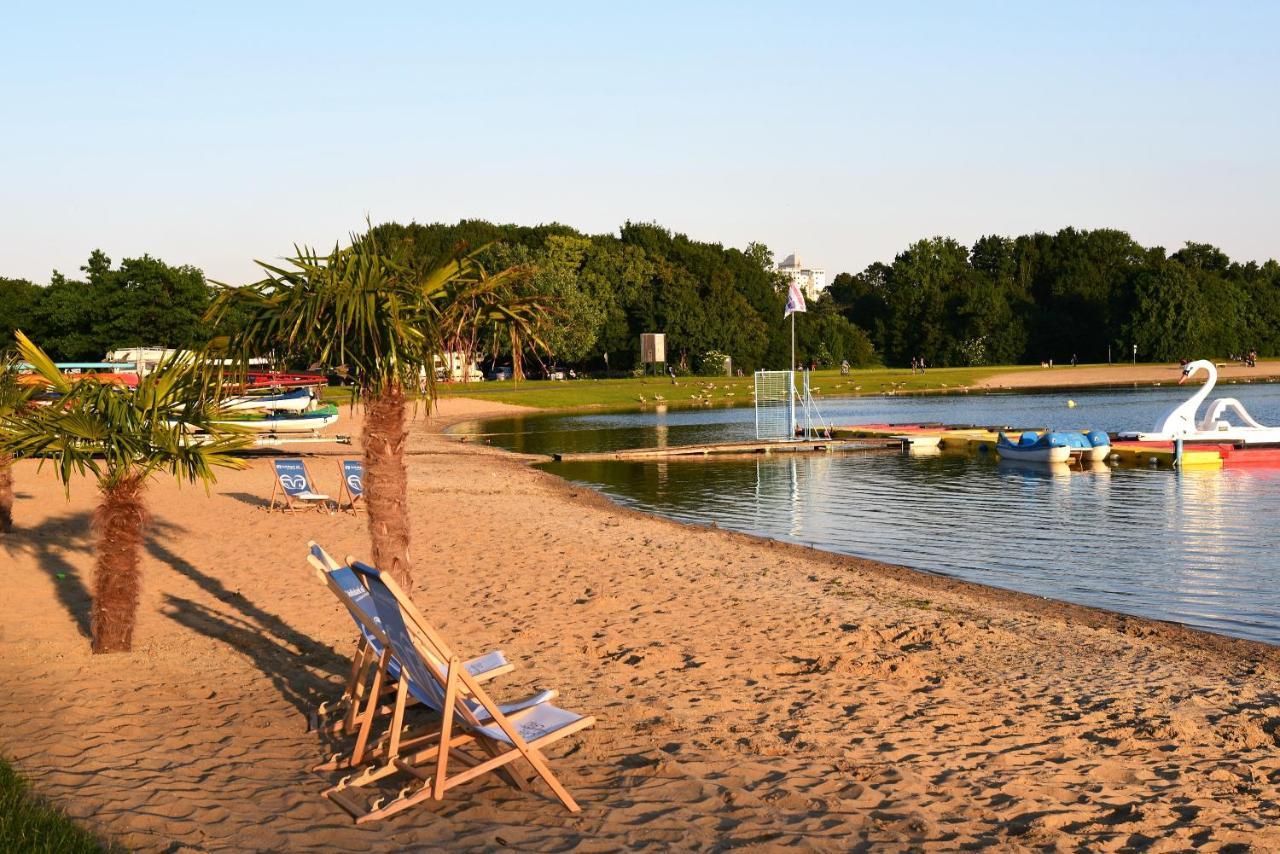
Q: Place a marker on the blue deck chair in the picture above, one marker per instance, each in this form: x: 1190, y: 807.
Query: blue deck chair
x: 434, y: 676
x: 352, y: 485
x: 294, y: 488
x: 374, y: 670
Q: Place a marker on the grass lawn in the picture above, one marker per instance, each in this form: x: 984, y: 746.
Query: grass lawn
x: 566, y: 394
x: 28, y: 824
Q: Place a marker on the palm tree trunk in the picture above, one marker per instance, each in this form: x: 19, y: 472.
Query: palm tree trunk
x: 120, y: 523
x: 386, y: 485
x: 6, y: 493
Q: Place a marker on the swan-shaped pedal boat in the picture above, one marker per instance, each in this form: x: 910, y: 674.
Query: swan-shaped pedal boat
x: 1180, y: 422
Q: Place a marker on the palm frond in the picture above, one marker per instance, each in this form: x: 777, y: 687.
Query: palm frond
x: 114, y: 432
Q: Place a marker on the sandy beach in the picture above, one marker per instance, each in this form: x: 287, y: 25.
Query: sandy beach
x: 1065, y: 376
x: 748, y: 693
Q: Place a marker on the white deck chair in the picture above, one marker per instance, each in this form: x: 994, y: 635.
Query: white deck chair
x: 375, y: 673
x: 470, y: 719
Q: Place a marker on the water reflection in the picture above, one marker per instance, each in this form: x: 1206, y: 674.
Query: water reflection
x: 1110, y: 410
x: 1196, y: 547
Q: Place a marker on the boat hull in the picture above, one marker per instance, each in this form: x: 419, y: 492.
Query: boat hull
x: 295, y: 401
x: 1096, y: 454
x: 1013, y: 453
x: 293, y: 424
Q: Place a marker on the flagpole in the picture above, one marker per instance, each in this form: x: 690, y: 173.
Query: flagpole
x: 793, y: 341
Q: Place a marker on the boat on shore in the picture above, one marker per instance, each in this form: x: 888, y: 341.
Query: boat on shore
x: 312, y: 421
x: 298, y: 400
x: 255, y: 380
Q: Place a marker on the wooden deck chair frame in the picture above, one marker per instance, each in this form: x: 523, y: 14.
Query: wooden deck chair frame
x: 286, y: 503
x: 431, y: 765
x: 365, y: 658
x: 368, y: 684
x: 355, y: 503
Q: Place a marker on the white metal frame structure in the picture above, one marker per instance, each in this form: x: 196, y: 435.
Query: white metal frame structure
x: 776, y: 399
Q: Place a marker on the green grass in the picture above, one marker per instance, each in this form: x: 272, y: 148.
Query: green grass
x: 28, y: 824
x: 572, y: 394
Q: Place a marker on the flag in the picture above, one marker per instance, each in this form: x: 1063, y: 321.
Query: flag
x: 795, y: 299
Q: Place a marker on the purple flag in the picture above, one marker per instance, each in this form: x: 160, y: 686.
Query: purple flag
x: 795, y: 299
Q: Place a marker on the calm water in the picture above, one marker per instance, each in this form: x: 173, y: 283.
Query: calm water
x: 1198, y: 547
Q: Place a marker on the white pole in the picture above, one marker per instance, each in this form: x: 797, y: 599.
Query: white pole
x: 793, y: 341
x: 791, y: 381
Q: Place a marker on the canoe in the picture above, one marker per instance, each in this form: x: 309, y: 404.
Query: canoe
x: 284, y: 422
x: 277, y: 379
x: 297, y: 400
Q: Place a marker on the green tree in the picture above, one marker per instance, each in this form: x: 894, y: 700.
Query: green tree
x: 142, y: 302
x: 19, y: 300
x: 122, y: 437
x: 148, y: 302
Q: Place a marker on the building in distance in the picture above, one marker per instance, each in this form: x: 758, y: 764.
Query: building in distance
x: 812, y: 280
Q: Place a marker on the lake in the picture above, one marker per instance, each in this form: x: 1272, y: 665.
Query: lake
x: 1196, y: 547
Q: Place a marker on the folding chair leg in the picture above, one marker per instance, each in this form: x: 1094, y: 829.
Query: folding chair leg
x: 509, y: 772
x: 370, y: 710
x: 446, y: 726
x: 539, y: 764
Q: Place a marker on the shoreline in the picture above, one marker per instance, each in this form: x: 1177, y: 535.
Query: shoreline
x: 747, y: 691
x: 1045, y: 607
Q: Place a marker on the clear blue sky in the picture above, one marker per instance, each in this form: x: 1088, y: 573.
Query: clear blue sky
x: 217, y: 133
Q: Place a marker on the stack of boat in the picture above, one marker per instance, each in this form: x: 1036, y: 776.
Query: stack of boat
x: 279, y: 403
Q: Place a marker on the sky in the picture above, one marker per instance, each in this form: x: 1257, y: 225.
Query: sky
x: 219, y: 133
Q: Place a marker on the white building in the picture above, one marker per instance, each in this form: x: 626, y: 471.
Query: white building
x: 812, y: 280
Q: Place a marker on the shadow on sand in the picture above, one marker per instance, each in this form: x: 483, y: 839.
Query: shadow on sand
x: 301, y: 668
x: 48, y: 545
x: 249, y: 498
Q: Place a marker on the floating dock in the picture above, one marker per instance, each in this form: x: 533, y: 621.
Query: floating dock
x: 982, y: 440
x: 942, y: 438
x: 833, y: 445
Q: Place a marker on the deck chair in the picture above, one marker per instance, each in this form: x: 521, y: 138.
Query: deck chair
x: 293, y: 488
x: 470, y: 717
x: 370, y: 646
x: 374, y: 673
x: 351, y: 485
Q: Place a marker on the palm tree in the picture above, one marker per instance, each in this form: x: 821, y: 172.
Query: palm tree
x: 14, y: 397
x: 380, y: 317
x: 122, y: 437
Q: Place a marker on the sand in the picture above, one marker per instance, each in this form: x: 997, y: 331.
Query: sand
x: 1065, y: 376
x: 748, y: 693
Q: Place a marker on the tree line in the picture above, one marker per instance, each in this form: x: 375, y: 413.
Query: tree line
x: 1091, y: 295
